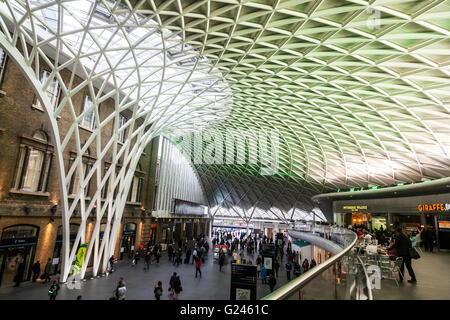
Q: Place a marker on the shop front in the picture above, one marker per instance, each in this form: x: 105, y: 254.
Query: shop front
x: 188, y: 229
x: 127, y: 241
x: 17, y: 251
x: 444, y: 232
x: 165, y: 232
x: 408, y: 213
x: 153, y: 232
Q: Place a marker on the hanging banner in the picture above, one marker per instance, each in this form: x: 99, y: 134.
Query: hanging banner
x: 80, y: 258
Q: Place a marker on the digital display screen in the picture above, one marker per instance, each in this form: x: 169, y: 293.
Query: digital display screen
x: 444, y: 224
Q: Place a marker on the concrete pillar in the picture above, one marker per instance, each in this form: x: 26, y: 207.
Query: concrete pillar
x: 389, y: 222
x: 210, y: 227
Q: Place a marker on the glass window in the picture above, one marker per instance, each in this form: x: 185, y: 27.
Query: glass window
x: 20, y: 231
x: 32, y: 163
x: 73, y: 230
x: 122, y: 121
x: 33, y: 171
x: 52, y: 91
x: 50, y: 14
x: 89, y: 119
x: 130, y: 226
x: 40, y: 135
x: 2, y: 65
x: 135, y: 189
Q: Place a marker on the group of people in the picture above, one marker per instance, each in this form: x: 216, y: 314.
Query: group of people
x: 398, y: 244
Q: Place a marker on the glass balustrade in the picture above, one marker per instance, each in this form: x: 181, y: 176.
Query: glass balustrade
x: 342, y: 276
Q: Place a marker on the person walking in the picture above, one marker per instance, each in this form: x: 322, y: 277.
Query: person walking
x: 221, y: 260
x: 188, y: 256
x: 111, y: 264
x: 272, y: 282
x: 53, y: 291
x: 263, y: 274
x: 178, y: 257
x: 170, y: 252
x: 288, y: 267
x: 20, y: 270
x: 172, y: 283
x: 47, y: 270
x: 158, y: 291
x: 36, y: 270
x: 402, y: 245
x: 198, y: 265
x: 428, y: 239
x: 297, y: 269
x: 136, y: 258
x: 121, y: 290
x: 177, y: 287
x: 276, y: 266
x: 305, y: 265
x: 147, y: 261
x: 194, y: 255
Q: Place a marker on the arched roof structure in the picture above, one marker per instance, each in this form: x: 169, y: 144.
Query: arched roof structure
x: 357, y: 92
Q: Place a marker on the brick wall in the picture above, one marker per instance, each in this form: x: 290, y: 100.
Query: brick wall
x: 18, y: 118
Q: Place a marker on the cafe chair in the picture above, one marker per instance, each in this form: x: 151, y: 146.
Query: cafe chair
x: 391, y: 268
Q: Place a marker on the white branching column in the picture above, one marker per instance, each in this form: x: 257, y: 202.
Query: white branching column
x: 120, y: 55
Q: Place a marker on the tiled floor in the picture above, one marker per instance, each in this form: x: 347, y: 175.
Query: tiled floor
x: 432, y: 272
x: 213, y: 285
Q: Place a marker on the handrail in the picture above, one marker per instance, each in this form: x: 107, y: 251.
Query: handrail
x: 368, y: 284
x: 298, y: 283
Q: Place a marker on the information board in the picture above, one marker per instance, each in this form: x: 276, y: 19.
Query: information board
x: 243, y: 282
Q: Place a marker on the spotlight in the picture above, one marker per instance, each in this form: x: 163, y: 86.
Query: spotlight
x: 92, y: 219
x: 53, y: 209
x: 52, y: 220
x: 75, y: 212
x: 26, y: 209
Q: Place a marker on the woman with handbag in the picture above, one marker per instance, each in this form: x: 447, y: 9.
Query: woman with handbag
x: 403, y: 246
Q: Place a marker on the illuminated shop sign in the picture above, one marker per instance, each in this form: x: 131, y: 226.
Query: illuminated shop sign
x: 435, y: 207
x: 354, y: 208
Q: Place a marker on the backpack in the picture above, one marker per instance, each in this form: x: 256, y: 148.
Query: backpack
x: 121, y: 291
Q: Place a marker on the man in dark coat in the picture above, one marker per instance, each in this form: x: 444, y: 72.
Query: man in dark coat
x: 36, y: 270
x: 402, y: 245
x: 427, y: 237
x: 19, y: 274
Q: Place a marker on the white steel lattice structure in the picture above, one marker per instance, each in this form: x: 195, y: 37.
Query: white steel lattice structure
x: 125, y: 56
x: 177, y: 180
x: 359, y: 91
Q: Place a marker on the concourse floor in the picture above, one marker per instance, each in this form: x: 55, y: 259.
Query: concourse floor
x: 213, y: 285
x: 432, y: 272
